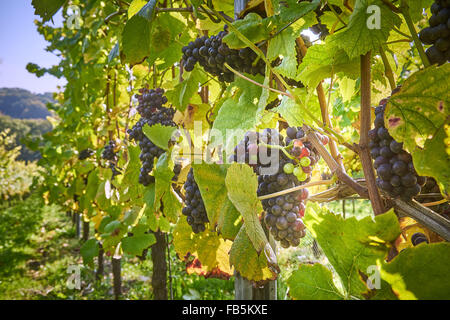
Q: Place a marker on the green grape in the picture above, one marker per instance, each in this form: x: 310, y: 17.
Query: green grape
x: 302, y: 176
x: 305, y: 161
x: 288, y: 168
x: 297, y: 171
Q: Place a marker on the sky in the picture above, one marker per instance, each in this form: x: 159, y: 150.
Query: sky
x: 20, y: 43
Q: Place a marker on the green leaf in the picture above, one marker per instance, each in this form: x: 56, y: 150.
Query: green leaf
x: 247, y: 261
x: 183, y: 92
x: 210, y: 179
x: 416, y: 116
x: 418, y: 272
x: 160, y: 135
x: 313, y: 282
x: 239, y: 113
x: 284, y: 45
x: 357, y: 39
x: 167, y: 40
x: 293, y: 113
x: 136, y: 36
x: 135, y: 6
x: 438, y: 168
x: 89, y: 250
x: 416, y: 7
x: 324, y: 60
x: 115, y: 52
x: 136, y: 244
x: 165, y: 198
x: 352, y: 245
x: 242, y: 185
x: 46, y: 9
x: 291, y: 10
x: 207, y: 246
x: 253, y: 27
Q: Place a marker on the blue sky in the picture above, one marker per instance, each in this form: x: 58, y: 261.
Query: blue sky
x: 20, y: 44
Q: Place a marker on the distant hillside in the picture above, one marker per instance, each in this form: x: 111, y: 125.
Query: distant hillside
x: 22, y: 104
x: 25, y: 129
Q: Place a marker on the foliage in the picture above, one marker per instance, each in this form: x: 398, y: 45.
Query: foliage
x: 16, y: 176
x: 26, y: 132
x: 120, y: 48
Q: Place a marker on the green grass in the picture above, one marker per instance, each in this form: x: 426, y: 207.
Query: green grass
x: 38, y: 243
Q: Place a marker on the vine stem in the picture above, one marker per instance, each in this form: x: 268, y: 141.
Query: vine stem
x: 324, y: 109
x: 332, y: 164
x: 365, y: 115
x: 387, y: 69
x: 431, y: 204
x: 405, y: 12
x: 290, y: 190
x: 269, y: 146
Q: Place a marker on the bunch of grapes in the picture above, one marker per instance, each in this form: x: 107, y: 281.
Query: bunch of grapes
x: 194, y: 209
x: 86, y: 153
x: 438, y: 33
x: 152, y: 112
x: 252, y: 147
x: 211, y: 53
x: 110, y: 155
x: 283, y: 214
x: 395, y: 169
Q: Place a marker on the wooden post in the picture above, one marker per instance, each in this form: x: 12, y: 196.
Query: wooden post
x: 100, y: 263
x: 244, y: 289
x: 77, y: 225
x: 85, y: 230
x: 117, y: 279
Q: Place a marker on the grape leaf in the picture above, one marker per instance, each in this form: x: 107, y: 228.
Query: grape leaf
x: 352, y: 245
x: 438, y: 168
x: 168, y: 37
x: 357, y: 39
x: 291, y: 10
x: 46, y: 9
x: 284, y: 45
x: 245, y: 259
x: 136, y: 244
x: 89, y: 250
x: 313, y: 282
x: 115, y: 52
x: 160, y: 135
x: 415, y: 8
x: 242, y: 185
x: 210, y: 179
x: 253, y: 27
x: 165, y: 198
x: 416, y: 116
x: 183, y: 92
x: 135, y: 6
x: 207, y: 246
x: 293, y: 113
x: 324, y: 60
x: 418, y: 272
x: 239, y: 113
x: 136, y: 35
